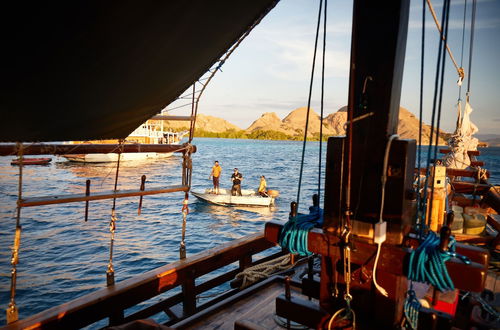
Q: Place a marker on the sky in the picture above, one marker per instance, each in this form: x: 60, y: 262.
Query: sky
x: 270, y: 70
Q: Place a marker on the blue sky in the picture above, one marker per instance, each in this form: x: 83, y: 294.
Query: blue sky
x: 269, y: 72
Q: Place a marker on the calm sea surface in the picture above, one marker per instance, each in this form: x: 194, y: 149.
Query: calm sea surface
x: 63, y: 257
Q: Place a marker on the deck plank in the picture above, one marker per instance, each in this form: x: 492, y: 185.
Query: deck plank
x: 258, y: 308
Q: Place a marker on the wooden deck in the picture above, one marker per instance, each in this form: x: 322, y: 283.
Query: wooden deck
x: 258, y: 308
x: 254, y: 309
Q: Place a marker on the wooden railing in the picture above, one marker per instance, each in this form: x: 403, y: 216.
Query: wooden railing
x: 111, y: 302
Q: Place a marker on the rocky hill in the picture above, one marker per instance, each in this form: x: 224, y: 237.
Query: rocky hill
x: 205, y: 123
x: 334, y: 124
x: 270, y: 126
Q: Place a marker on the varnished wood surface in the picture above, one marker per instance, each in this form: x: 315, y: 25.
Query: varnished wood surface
x: 62, y: 199
x: 259, y: 309
x: 393, y: 259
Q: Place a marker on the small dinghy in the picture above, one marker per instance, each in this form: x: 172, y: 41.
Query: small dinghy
x: 249, y: 198
x: 31, y: 161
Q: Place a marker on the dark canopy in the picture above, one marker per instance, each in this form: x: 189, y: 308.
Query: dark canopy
x: 78, y: 70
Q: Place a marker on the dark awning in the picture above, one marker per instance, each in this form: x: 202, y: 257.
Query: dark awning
x: 81, y: 70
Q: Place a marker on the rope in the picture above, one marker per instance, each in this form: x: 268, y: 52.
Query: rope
x: 427, y: 263
x: 462, y: 51
x: 421, y: 105
x: 411, y: 309
x: 322, y: 101
x: 472, y: 27
x: 12, y: 310
x: 438, y: 88
x: 194, y: 110
x: 185, y: 212
x: 294, y: 233
x: 460, y: 70
x: 110, y: 272
x: 264, y: 270
x: 309, y: 103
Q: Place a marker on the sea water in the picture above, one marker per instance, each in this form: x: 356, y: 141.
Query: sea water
x: 62, y: 257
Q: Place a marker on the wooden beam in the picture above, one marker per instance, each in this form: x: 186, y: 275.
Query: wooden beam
x: 470, y: 152
x: 470, y: 187
x: 301, y: 311
x: 470, y: 173
x: 11, y: 149
x: 476, y: 163
x: 174, y: 118
x: 62, y: 199
x: 393, y: 259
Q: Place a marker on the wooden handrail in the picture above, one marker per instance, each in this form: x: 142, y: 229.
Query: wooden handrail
x: 62, y: 199
x: 98, y: 305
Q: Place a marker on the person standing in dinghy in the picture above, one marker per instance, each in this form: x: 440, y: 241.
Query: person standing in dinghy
x: 215, y: 175
x: 237, y: 177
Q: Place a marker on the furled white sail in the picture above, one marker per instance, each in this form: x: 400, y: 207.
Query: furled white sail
x: 462, y: 140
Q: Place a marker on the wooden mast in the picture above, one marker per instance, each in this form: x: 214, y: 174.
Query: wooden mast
x: 377, y: 57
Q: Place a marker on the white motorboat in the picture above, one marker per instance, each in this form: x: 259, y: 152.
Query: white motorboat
x: 248, y: 197
x: 151, y: 132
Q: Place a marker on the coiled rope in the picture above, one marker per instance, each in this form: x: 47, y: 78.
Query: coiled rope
x: 427, y: 263
x: 294, y: 234
x: 411, y: 309
x: 264, y: 270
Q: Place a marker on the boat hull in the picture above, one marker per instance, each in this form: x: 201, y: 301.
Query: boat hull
x: 112, y: 157
x: 31, y: 161
x: 224, y: 198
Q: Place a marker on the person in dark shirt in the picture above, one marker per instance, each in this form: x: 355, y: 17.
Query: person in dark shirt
x: 237, y: 177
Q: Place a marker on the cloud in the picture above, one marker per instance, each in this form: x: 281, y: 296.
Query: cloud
x: 295, y: 60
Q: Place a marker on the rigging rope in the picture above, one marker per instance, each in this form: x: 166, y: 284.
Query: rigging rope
x: 110, y: 272
x: 322, y: 102
x: 420, y: 217
x: 460, y: 70
x: 462, y: 55
x: 194, y: 111
x: 438, y: 88
x: 472, y: 27
x: 12, y: 310
x: 309, y: 103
